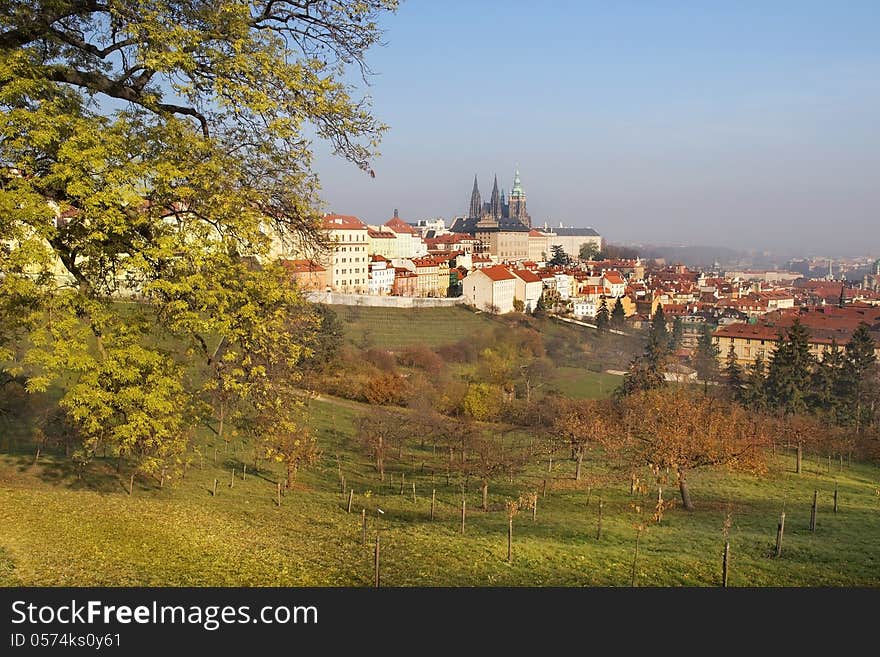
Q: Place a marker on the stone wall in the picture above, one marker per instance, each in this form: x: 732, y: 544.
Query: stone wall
x: 337, y: 298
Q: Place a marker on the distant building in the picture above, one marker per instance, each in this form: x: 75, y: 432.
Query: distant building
x: 492, y: 289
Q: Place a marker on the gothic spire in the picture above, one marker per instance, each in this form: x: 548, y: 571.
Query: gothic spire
x: 476, y: 202
x: 495, y: 202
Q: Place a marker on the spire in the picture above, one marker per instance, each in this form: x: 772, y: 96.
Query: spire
x: 495, y: 202
x: 517, y: 185
x: 476, y: 203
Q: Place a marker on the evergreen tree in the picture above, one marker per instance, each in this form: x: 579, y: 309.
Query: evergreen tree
x: 789, y: 375
x: 858, y: 360
x: 603, y: 318
x: 618, y: 314
x: 558, y: 256
x: 677, y: 331
x: 734, y: 375
x: 647, y: 371
x: 706, y: 356
x: 754, y: 394
x: 825, y: 385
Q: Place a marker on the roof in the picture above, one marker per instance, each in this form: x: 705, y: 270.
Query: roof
x: 302, y: 266
x: 380, y: 234
x: 343, y: 222
x: 398, y: 225
x: 614, y: 278
x: 497, y: 273
x: 575, y: 232
x: 526, y: 276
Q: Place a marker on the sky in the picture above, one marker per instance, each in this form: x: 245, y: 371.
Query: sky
x: 741, y: 124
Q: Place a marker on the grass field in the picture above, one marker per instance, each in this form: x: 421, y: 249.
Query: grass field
x: 392, y: 328
x: 57, y: 530
x: 579, y: 383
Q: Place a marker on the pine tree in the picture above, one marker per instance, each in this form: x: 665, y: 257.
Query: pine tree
x: 825, y: 385
x: 734, y: 375
x: 754, y: 394
x: 602, y: 316
x: 658, y: 337
x: 706, y: 356
x: 858, y: 360
x: 558, y: 256
x: 618, y: 314
x: 789, y: 375
x: 647, y: 371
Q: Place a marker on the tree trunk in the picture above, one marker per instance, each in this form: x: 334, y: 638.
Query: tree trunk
x: 685, y: 493
x: 485, y: 495
x: 580, y: 460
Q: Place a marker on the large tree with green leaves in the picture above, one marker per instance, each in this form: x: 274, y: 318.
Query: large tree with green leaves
x: 857, y: 385
x: 790, y: 371
x: 158, y: 152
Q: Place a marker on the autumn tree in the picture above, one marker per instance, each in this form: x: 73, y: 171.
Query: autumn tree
x: 585, y: 424
x: 488, y: 456
x: 676, y: 429
x: 376, y: 432
x: 160, y: 152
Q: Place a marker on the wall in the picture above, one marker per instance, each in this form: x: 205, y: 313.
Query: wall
x: 383, y: 301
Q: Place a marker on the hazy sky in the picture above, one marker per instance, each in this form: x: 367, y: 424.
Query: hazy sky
x: 753, y: 124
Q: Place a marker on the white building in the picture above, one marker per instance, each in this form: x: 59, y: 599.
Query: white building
x: 583, y: 307
x: 492, y: 289
x: 529, y: 288
x: 381, y: 275
x: 563, y: 285
x: 347, y: 262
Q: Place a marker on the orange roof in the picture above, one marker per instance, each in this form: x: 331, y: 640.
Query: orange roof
x: 302, y: 266
x: 343, y: 222
x: 526, y: 276
x: 398, y: 225
x: 377, y: 234
x: 614, y: 278
x: 498, y: 273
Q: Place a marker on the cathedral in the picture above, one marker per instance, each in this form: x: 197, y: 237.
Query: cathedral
x: 499, y: 212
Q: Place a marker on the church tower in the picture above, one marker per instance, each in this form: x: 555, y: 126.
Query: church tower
x: 476, y: 206
x: 517, y: 203
x: 495, y: 202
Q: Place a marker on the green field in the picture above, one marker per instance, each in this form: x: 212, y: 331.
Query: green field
x: 579, y: 383
x: 392, y: 328
x: 57, y: 530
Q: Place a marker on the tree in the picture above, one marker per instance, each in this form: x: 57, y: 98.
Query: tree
x: 658, y: 336
x: 282, y: 426
x: 158, y: 152
x: 603, y: 318
x: 558, y: 256
x: 825, y: 393
x: 733, y: 374
x: 859, y: 361
x: 588, y: 251
x: 676, y: 429
x: 377, y: 430
x: 518, y: 305
x: 488, y: 456
x: 618, y: 314
x: 706, y: 355
x: 789, y: 374
x: 754, y: 390
x: 648, y: 370
x: 585, y: 424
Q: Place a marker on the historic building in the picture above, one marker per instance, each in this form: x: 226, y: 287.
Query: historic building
x: 498, y: 212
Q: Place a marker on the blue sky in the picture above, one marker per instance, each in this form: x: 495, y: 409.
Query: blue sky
x: 748, y: 124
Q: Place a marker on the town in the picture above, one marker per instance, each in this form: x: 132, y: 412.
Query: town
x: 496, y: 261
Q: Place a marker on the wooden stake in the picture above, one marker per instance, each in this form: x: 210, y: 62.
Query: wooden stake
x: 550, y: 467
x: 509, y: 540
x: 364, y: 526
x: 244, y: 472
x: 402, y: 481
x: 343, y: 485
x: 780, y: 530
x: 544, y: 488
x: 232, y: 479
x: 813, y: 511
x: 835, y: 497
x: 599, y: 521
x: 215, y: 487
x: 350, y: 496
x: 535, y: 509
x: 414, y: 491
x: 433, y: 501
x: 130, y: 484
x: 636, y: 556
x: 279, y: 493
x: 463, y: 513
x: 376, y: 560
x: 725, y: 564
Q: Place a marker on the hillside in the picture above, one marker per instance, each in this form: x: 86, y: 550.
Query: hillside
x: 57, y: 530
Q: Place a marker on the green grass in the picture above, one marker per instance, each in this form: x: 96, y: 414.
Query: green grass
x: 56, y: 530
x: 393, y: 328
x: 579, y: 383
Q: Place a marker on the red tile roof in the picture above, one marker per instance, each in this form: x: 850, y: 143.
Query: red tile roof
x: 498, y: 273
x: 398, y: 225
x: 302, y: 266
x: 343, y: 222
x: 526, y: 276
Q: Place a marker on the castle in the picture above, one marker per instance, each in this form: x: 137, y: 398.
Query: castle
x: 499, y: 212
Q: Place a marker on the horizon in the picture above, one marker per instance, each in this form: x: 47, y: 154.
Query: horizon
x: 666, y: 126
